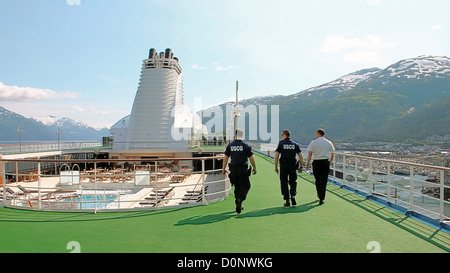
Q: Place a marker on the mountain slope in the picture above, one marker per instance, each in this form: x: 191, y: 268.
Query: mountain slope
x: 45, y: 130
x: 419, y: 82
x: 433, y: 120
x: 349, y: 116
x: 72, y: 129
x: 370, y: 103
x: 9, y: 124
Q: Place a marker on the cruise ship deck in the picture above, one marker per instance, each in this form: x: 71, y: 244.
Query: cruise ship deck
x: 346, y: 223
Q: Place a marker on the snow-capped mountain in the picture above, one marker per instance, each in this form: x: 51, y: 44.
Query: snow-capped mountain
x: 5, y: 113
x: 45, y: 129
x: 419, y: 68
x: 417, y: 82
x: 62, y: 122
x: 364, y: 104
x: 315, y: 94
x: 346, y: 82
x: 334, y: 88
x: 48, y: 120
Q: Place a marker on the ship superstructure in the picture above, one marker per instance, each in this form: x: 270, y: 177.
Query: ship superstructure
x: 151, y: 124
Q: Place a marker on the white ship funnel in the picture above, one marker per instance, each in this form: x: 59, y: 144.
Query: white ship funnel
x: 151, y: 123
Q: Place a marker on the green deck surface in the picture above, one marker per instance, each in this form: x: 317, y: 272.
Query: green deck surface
x: 345, y: 223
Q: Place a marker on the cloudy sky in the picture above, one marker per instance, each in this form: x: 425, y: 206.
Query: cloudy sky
x: 82, y: 58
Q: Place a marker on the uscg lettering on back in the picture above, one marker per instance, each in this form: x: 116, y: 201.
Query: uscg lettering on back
x: 289, y: 146
x: 237, y: 148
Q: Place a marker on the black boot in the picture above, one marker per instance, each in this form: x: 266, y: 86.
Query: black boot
x: 239, y: 206
x: 294, y: 203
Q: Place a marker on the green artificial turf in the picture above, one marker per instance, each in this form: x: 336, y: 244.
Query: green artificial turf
x: 345, y: 223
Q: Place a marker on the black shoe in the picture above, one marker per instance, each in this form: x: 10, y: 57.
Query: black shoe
x: 321, y: 202
x: 239, y: 209
x: 287, y: 204
x: 294, y: 203
x: 239, y: 206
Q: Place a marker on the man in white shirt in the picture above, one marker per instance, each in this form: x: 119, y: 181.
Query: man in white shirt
x: 322, y: 152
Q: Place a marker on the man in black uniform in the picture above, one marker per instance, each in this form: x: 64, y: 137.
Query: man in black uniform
x: 288, y: 166
x: 239, y: 151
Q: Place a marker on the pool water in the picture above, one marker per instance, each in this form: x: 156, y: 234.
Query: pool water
x: 91, y: 201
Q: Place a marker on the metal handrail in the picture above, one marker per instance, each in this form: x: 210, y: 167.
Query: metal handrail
x: 64, y: 195
x: 43, y: 160
x: 16, y: 148
x: 398, y: 162
x: 411, y: 204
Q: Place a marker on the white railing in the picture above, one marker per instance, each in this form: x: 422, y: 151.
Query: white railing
x: 112, y: 184
x: 18, y: 148
x: 413, y: 187
x: 153, y: 145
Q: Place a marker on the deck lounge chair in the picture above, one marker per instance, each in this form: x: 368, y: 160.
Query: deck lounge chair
x: 147, y: 203
x: 10, y: 191
x: 198, y: 191
x: 26, y: 191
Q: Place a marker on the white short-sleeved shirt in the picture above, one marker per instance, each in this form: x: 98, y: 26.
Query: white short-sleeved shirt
x: 321, y: 148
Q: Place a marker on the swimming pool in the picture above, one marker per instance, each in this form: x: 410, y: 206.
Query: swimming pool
x: 92, y: 201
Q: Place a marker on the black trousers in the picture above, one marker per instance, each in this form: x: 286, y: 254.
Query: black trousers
x: 288, y: 179
x: 321, y: 168
x: 239, y: 177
